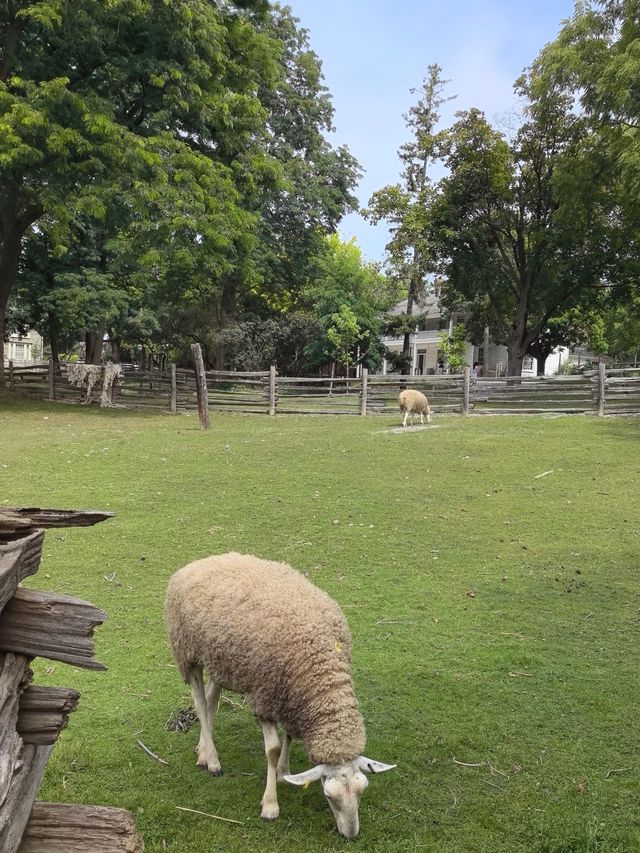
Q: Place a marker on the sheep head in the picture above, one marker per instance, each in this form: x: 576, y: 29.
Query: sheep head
x: 343, y: 786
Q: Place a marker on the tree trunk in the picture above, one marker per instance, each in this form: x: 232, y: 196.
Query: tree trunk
x: 225, y: 314
x: 93, y: 347
x: 541, y: 361
x: 53, y: 341
x: 2, y: 325
x: 514, y: 361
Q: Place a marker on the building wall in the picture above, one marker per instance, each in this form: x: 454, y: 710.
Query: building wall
x: 23, y: 349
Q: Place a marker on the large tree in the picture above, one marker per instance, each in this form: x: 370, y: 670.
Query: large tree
x: 90, y: 90
x: 404, y: 205
x: 525, y: 228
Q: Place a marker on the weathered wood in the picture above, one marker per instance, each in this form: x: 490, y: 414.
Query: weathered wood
x: 201, y: 386
x: 174, y: 390
x: 15, y: 675
x: 52, y: 626
x: 18, y: 559
x: 20, y: 518
x: 465, y: 391
x: 364, y: 392
x: 43, y: 713
x: 272, y: 390
x: 51, y: 380
x: 16, y: 808
x: 602, y: 375
x: 61, y: 828
x: 12, y: 380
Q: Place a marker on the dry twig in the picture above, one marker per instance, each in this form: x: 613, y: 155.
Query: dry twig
x: 214, y: 816
x: 464, y: 763
x: 151, y: 754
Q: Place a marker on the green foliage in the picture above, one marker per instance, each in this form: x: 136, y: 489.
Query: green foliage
x: 342, y: 333
x: 453, y: 348
x: 515, y: 650
x: 344, y: 284
x: 174, y: 152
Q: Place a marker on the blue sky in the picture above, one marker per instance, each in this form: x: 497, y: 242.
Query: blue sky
x: 374, y: 52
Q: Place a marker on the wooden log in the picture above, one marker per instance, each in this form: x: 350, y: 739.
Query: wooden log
x: 51, y: 380
x: 16, y: 807
x: 201, y: 386
x: 364, y: 394
x: 272, y: 390
x: 43, y: 713
x: 174, y: 391
x: 465, y: 391
x: 15, y: 675
x: 52, y: 626
x: 14, y: 518
x: 602, y: 375
x: 18, y: 559
x: 65, y: 828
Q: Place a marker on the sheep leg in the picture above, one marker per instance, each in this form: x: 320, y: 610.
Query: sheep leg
x: 421, y: 419
x: 207, y: 755
x: 283, y: 761
x: 270, y: 808
x: 212, y: 693
x: 404, y: 420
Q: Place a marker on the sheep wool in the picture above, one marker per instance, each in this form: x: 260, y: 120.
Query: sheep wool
x: 261, y: 629
x: 414, y: 402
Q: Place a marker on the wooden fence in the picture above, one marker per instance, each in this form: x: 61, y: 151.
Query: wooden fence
x: 611, y: 391
x: 59, y: 628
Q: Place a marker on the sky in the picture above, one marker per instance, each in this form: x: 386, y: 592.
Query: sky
x: 374, y: 52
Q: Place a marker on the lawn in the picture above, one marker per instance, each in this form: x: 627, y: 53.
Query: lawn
x: 488, y: 568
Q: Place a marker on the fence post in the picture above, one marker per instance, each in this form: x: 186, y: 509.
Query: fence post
x: 12, y: 381
x: 272, y: 390
x: 201, y: 386
x: 602, y: 375
x: 174, y: 390
x: 51, y: 376
x: 465, y: 390
x: 365, y: 390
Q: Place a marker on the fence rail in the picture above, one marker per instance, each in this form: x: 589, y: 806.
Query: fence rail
x: 611, y: 391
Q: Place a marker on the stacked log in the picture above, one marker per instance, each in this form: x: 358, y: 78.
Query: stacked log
x: 59, y: 628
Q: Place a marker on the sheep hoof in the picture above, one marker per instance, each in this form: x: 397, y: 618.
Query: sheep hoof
x: 270, y: 813
x: 213, y: 771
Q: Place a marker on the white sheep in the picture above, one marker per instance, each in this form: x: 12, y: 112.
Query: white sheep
x: 414, y: 402
x: 263, y: 630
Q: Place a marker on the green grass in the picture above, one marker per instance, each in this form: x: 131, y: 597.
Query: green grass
x: 495, y: 614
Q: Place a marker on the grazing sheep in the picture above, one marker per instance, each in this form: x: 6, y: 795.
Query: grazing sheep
x: 263, y: 630
x: 414, y: 402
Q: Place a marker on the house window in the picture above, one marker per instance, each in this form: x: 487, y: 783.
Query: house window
x: 527, y: 363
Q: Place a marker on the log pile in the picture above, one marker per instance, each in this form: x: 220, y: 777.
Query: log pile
x: 59, y: 628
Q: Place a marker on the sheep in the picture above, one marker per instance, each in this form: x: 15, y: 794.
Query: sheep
x: 414, y: 402
x: 261, y: 629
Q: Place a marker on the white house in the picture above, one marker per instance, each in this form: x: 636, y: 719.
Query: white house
x: 23, y: 349
x: 426, y: 357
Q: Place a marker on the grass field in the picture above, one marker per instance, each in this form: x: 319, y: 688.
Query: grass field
x: 495, y: 614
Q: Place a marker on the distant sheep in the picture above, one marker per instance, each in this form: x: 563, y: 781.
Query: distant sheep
x: 263, y: 630
x: 414, y: 402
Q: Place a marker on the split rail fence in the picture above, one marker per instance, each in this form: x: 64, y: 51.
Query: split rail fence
x: 38, y: 624
x: 602, y: 391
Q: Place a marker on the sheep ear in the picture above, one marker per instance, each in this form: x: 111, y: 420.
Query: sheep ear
x: 368, y: 765
x: 307, y: 776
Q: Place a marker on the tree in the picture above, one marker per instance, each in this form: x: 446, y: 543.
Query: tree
x: 344, y: 284
x: 524, y: 229
x: 453, y: 348
x: 92, y: 90
x: 595, y: 64
x: 404, y: 205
